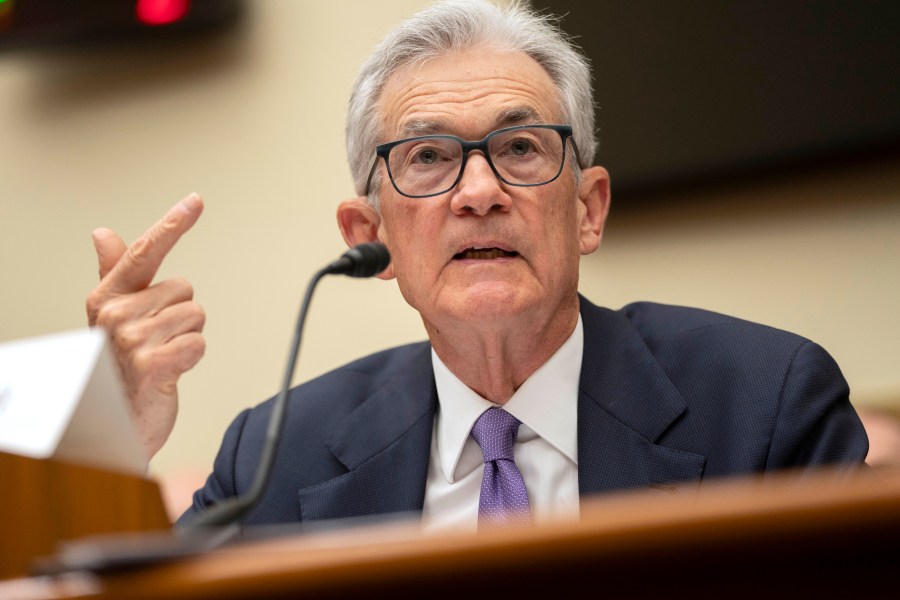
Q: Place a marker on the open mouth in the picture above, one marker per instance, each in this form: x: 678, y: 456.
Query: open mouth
x: 484, y: 254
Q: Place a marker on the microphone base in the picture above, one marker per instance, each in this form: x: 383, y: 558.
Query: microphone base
x: 125, y: 551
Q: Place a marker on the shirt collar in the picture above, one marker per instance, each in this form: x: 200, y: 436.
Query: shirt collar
x: 546, y: 403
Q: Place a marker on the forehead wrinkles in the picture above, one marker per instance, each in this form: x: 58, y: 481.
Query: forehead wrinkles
x: 447, y: 93
x: 435, y: 99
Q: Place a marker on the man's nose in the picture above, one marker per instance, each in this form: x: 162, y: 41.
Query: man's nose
x: 479, y: 191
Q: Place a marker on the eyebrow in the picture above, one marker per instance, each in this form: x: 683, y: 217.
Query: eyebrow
x: 519, y: 114
x: 421, y: 127
x: 512, y: 116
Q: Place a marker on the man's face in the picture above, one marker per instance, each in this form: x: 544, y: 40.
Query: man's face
x: 485, y: 252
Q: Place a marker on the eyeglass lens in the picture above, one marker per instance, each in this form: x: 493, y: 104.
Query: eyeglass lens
x: 431, y: 165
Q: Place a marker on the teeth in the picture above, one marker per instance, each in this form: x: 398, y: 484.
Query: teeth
x: 485, y: 253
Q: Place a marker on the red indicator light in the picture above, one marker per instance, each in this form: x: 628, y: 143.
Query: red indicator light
x: 161, y: 12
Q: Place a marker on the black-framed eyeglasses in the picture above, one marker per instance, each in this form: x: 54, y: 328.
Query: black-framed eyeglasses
x: 430, y: 165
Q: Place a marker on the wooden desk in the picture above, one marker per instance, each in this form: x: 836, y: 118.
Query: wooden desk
x: 733, y: 539
x: 44, y: 501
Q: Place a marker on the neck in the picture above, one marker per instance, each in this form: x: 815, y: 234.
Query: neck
x: 494, y: 359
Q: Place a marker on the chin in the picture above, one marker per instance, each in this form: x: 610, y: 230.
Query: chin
x: 485, y: 301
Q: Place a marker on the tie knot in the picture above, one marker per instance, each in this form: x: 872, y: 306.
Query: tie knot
x: 496, y: 431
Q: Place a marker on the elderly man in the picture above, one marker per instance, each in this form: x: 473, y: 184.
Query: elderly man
x: 470, y: 137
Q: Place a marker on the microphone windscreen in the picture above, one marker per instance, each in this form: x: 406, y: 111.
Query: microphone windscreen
x: 367, y: 259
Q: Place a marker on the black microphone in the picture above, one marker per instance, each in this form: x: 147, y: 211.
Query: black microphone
x: 364, y: 260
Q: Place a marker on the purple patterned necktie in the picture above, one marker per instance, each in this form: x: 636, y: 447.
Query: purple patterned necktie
x: 504, y: 499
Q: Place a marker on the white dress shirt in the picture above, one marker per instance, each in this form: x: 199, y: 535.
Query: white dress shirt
x: 546, y: 450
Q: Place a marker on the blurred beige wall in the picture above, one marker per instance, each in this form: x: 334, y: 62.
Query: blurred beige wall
x: 254, y: 122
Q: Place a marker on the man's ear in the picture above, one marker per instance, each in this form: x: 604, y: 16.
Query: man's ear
x: 594, y: 195
x: 360, y: 224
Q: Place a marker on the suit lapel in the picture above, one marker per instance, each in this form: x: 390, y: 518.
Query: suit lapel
x: 626, y: 402
x: 385, y: 445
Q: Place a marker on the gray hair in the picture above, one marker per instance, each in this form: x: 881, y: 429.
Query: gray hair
x: 454, y: 25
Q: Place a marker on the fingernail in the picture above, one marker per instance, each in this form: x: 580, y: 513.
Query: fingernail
x: 98, y: 234
x: 190, y: 202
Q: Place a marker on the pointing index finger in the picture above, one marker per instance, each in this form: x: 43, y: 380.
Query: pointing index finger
x: 137, y: 267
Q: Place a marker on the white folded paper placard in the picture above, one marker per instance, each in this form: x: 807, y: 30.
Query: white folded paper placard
x: 61, y: 397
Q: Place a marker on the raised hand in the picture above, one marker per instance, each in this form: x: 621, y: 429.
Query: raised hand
x: 155, y: 330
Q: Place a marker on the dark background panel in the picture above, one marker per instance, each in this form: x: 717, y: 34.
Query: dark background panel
x: 693, y: 92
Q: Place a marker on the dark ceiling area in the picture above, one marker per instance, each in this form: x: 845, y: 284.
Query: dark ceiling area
x: 697, y: 92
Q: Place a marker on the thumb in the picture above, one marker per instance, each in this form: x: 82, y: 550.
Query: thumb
x: 109, y: 247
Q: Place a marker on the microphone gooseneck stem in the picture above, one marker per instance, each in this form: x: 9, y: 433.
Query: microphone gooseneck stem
x: 363, y: 260
x: 230, y: 510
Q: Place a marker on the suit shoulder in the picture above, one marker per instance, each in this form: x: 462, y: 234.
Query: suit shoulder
x: 659, y: 321
x: 710, y: 338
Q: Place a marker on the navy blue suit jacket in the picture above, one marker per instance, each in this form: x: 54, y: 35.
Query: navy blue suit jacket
x: 667, y: 395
